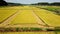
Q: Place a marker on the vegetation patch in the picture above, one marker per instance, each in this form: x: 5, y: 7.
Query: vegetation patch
x: 26, y: 29
x: 19, y: 29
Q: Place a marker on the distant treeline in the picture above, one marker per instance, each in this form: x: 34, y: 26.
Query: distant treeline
x: 4, y: 3
x: 46, y: 3
x: 14, y: 4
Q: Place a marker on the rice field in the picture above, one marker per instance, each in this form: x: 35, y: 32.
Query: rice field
x: 25, y: 17
x: 54, y: 9
x: 6, y: 12
x: 48, y: 17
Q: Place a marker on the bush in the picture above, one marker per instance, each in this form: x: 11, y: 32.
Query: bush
x: 35, y: 29
x: 25, y: 29
x: 17, y: 29
x: 57, y: 28
x: 50, y: 29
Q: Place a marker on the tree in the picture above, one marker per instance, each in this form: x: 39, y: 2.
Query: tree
x: 3, y: 3
x: 56, y: 3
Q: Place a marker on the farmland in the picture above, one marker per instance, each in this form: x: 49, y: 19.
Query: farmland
x: 28, y: 16
x: 5, y: 13
x: 54, y: 9
x: 27, y: 33
x: 48, y: 17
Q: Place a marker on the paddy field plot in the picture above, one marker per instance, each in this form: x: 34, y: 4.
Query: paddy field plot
x: 48, y: 17
x: 26, y: 16
x: 6, y: 12
x: 53, y: 9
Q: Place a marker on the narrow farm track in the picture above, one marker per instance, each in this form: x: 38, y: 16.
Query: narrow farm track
x: 25, y: 17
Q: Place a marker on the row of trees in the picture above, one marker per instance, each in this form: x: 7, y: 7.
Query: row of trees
x: 17, y: 29
x: 14, y: 4
x: 46, y: 3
